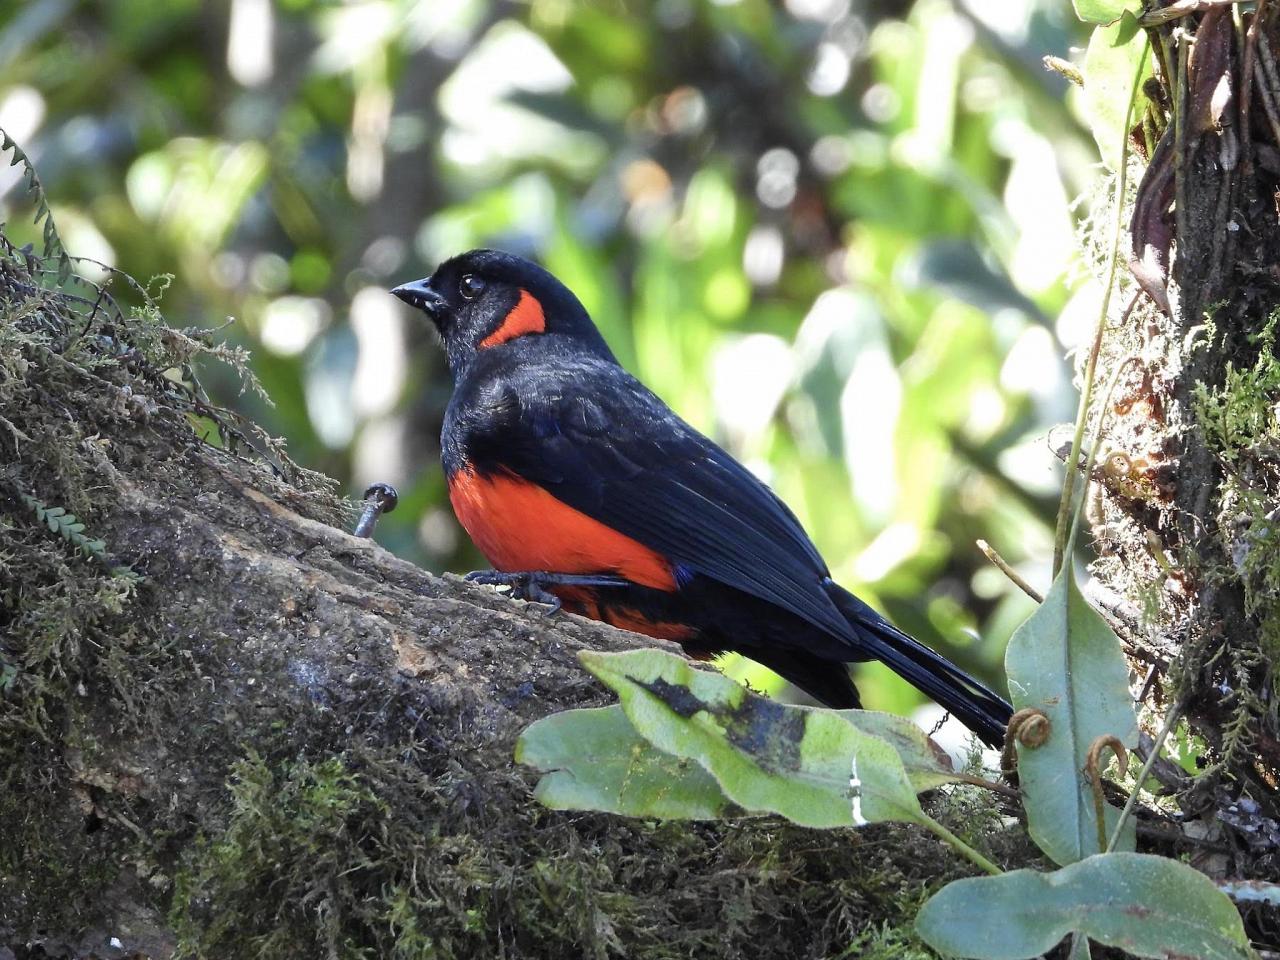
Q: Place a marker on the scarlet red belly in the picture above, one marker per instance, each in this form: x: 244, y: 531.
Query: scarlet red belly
x: 520, y: 526
x: 587, y: 602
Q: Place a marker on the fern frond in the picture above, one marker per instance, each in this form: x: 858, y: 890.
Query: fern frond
x: 53, y: 248
x: 71, y: 530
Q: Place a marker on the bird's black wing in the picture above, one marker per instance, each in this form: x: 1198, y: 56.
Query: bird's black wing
x: 600, y: 441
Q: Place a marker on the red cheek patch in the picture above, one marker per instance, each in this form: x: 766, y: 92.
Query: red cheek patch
x: 525, y: 317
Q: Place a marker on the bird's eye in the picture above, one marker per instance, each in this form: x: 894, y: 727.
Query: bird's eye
x: 470, y: 286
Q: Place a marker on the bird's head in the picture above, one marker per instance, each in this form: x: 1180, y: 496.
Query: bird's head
x: 486, y: 299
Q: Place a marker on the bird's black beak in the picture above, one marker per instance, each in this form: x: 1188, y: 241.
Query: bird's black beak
x: 420, y: 294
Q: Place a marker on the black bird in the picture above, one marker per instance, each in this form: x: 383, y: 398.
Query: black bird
x: 582, y: 488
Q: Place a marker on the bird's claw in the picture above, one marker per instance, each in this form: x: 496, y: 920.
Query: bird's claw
x: 531, y: 585
x: 526, y: 585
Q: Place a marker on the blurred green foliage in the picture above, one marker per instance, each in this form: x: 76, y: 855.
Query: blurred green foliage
x: 831, y: 233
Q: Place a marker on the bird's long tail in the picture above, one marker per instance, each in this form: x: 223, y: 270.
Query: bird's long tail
x: 969, y: 701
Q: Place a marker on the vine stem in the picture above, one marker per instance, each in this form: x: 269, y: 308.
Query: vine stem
x: 1169, y: 721
x: 938, y: 830
x: 1065, y: 528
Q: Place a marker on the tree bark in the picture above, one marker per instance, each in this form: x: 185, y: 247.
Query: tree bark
x: 228, y: 728
x: 1187, y: 487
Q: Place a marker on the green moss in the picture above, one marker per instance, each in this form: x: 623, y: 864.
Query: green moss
x: 1240, y: 413
x: 1240, y: 423
x: 287, y: 876
x: 366, y: 856
x: 886, y: 943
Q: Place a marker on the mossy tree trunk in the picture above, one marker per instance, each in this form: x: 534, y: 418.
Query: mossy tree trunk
x: 1185, y: 502
x: 228, y: 728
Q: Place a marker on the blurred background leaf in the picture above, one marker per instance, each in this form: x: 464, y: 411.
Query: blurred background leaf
x: 829, y: 232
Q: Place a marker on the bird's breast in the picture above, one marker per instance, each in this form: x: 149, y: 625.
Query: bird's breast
x: 519, y: 525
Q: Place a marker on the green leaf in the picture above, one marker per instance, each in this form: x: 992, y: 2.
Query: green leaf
x: 1146, y: 905
x: 1066, y: 661
x: 1105, y: 11
x: 595, y: 760
x: 927, y: 764
x: 1110, y: 63
x: 766, y: 756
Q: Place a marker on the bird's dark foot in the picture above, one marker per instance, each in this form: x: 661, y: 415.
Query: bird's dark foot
x: 531, y: 585
x: 379, y: 498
